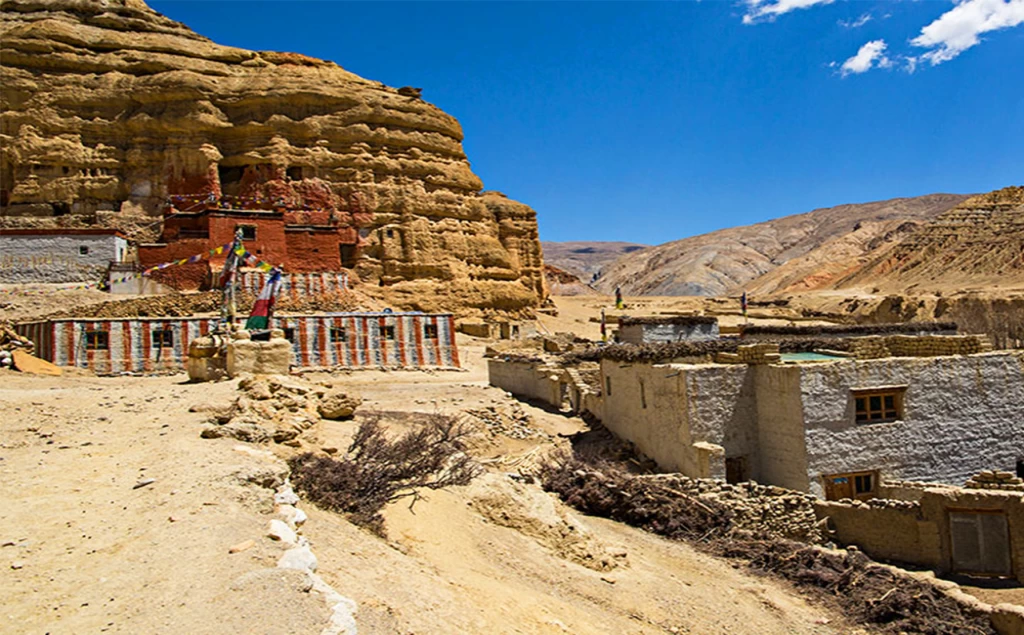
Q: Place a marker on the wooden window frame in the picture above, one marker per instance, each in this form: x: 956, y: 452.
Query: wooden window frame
x: 387, y: 333
x: 430, y: 331
x: 97, y: 341
x: 339, y: 334
x: 857, y: 479
x: 162, y: 338
x: 878, y: 405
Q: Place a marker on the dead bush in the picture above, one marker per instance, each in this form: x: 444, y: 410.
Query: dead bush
x: 868, y: 593
x: 605, y: 491
x: 377, y: 470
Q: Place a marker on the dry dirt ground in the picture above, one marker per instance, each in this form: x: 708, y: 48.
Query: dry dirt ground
x: 88, y: 547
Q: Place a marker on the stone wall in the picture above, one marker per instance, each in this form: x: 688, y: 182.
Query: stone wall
x: 46, y: 257
x: 961, y: 415
x: 918, y: 533
x: 645, y: 333
x: 532, y: 380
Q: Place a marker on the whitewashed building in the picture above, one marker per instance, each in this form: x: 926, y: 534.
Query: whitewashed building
x: 59, y: 255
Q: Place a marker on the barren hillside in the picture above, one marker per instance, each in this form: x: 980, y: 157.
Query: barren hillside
x: 726, y: 260
x: 585, y: 259
x: 977, y: 245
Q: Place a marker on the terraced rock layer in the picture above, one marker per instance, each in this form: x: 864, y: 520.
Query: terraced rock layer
x: 109, y: 108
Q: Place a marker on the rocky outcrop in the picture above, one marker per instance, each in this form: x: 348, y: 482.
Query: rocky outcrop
x: 979, y: 244
x: 110, y: 111
x: 789, y: 254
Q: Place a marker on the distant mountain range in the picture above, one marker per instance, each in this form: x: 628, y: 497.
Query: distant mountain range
x: 814, y: 250
x: 585, y: 259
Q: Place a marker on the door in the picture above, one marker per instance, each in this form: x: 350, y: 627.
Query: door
x: 736, y: 469
x: 981, y: 543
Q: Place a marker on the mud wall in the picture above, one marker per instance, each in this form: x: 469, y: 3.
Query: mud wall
x: 29, y: 258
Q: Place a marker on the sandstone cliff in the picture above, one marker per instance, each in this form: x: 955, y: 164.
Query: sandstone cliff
x: 794, y: 253
x: 109, y: 109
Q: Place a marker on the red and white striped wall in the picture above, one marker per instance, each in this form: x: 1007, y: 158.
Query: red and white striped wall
x: 129, y: 345
x: 348, y: 340
x: 295, y: 285
x: 360, y: 340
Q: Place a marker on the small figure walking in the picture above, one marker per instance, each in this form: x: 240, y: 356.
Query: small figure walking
x: 618, y: 298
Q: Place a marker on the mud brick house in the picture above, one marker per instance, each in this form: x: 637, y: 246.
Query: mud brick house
x: 348, y: 340
x: 59, y: 255
x: 833, y: 427
x: 836, y: 424
x: 681, y: 328
x: 299, y: 241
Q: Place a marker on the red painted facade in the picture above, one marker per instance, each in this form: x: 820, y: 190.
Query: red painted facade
x: 297, y: 241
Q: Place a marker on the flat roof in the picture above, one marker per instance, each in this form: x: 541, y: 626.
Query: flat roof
x: 62, y: 231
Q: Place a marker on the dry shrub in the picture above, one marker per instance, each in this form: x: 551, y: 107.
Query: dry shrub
x: 377, y: 470
x: 866, y: 592
x: 605, y: 491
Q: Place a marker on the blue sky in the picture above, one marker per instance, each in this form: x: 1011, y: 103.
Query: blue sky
x: 649, y: 122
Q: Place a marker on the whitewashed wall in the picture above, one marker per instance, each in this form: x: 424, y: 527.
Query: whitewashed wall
x: 48, y: 258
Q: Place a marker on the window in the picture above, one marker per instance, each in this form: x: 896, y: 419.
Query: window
x: 339, y: 334
x: 83, y: 250
x: 387, y: 332
x: 430, y: 331
x: 248, y: 232
x: 643, y: 395
x: 878, y: 406
x: 608, y: 386
x: 863, y: 484
x: 163, y: 338
x: 855, y: 485
x: 97, y: 341
x: 348, y: 255
x: 289, y: 334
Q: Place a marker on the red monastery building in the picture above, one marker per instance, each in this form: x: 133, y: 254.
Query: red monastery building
x: 279, y: 225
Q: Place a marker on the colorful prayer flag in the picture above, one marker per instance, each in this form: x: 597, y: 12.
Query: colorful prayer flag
x: 260, y: 317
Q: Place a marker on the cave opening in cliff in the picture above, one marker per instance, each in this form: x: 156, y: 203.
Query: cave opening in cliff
x: 295, y: 173
x: 61, y: 209
x: 230, y: 178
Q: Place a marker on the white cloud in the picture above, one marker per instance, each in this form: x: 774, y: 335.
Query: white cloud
x: 768, y: 10
x: 856, y: 24
x: 958, y: 29
x: 871, y: 55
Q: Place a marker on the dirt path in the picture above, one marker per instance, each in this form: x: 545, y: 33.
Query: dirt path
x: 87, y: 552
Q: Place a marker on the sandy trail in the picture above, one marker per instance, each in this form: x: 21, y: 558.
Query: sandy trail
x: 88, y: 553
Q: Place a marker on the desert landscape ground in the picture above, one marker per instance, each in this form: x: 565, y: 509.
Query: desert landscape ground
x: 85, y: 551
x: 431, y: 421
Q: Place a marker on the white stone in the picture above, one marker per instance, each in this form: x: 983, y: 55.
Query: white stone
x: 286, y: 496
x: 300, y: 558
x: 281, y: 531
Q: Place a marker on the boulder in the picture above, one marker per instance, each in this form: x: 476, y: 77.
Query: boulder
x: 339, y: 403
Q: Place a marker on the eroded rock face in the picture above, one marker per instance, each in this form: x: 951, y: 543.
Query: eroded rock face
x: 111, y: 110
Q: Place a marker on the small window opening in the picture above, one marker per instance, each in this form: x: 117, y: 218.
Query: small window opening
x: 515, y: 331
x: 387, y: 332
x: 65, y: 169
x: 163, y: 338
x: 339, y: 334
x: 863, y: 484
x: 289, y: 334
x: 881, y: 406
x: 97, y: 341
x: 348, y: 255
x: 390, y: 233
x: 430, y: 331
x: 83, y: 250
x: 608, y: 386
x: 643, y: 395
x: 248, y: 232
